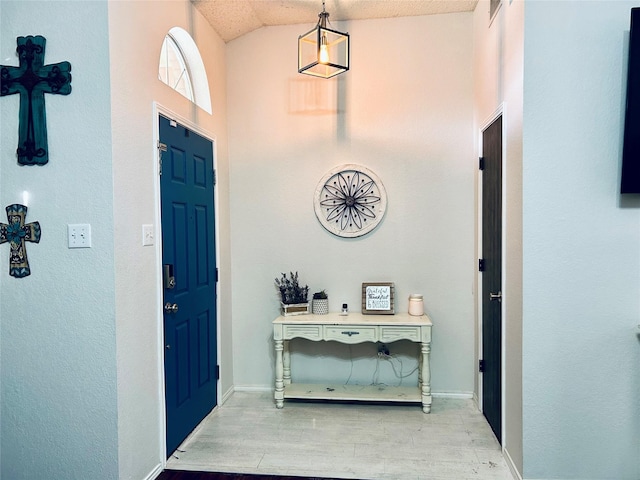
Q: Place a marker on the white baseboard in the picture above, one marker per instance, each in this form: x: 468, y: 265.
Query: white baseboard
x: 226, y: 395
x: 507, y: 458
x: 461, y: 395
x: 269, y: 388
x: 154, y: 473
x: 253, y: 388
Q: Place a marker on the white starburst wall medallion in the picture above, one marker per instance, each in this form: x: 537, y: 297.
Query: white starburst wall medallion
x: 350, y: 201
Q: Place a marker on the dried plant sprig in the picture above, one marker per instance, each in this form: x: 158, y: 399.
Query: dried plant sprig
x: 290, y: 290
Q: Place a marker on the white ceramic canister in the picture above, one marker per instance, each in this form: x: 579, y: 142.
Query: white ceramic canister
x: 416, y: 305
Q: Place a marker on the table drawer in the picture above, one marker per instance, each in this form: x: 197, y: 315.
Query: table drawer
x: 390, y: 333
x: 310, y: 332
x: 351, y: 333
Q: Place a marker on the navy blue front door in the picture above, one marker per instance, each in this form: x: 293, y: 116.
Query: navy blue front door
x: 189, y: 279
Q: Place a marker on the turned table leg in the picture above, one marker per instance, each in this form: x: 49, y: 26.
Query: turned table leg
x: 279, y: 393
x: 425, y: 377
x: 420, y: 367
x: 286, y: 362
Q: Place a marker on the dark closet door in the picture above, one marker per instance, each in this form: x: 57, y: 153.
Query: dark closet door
x: 492, y: 276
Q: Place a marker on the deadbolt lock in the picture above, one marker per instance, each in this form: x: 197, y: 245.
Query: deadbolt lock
x: 170, y: 308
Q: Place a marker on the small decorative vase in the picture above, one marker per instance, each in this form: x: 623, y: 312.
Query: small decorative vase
x: 320, y: 306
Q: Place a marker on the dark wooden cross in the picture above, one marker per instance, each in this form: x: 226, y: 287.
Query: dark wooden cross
x: 32, y: 79
x: 17, y: 233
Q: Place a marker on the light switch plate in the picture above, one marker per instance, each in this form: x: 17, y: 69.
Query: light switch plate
x: 79, y: 235
x: 148, y: 235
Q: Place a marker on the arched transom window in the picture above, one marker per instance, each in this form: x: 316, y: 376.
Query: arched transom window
x: 173, y: 68
x: 181, y: 67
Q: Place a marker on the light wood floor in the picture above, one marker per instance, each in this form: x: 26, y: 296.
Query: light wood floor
x: 353, y: 441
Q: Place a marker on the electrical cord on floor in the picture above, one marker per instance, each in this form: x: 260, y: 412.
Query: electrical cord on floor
x: 351, y: 371
x: 376, y: 373
x: 390, y: 359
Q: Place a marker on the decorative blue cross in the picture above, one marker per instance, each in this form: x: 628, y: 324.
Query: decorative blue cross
x: 16, y: 233
x: 32, y: 79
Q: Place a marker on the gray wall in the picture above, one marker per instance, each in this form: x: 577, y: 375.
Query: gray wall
x: 404, y: 110
x: 581, y: 303
x: 57, y: 331
x: 81, y: 342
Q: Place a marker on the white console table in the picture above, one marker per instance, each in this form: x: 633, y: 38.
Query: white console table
x: 353, y: 328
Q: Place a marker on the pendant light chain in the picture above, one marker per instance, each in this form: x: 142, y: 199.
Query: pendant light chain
x: 323, y: 17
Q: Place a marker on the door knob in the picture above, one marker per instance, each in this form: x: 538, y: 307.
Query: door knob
x: 170, y: 308
x: 495, y: 296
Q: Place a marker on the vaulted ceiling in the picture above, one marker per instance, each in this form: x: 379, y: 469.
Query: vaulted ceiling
x: 234, y: 18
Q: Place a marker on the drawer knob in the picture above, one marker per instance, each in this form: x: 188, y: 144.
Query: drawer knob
x: 347, y: 332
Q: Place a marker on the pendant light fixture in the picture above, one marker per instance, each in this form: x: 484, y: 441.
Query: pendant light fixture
x: 323, y: 52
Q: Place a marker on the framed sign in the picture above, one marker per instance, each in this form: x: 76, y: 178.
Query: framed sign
x: 378, y: 298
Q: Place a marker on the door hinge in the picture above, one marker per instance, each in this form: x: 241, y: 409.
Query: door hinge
x: 481, y: 265
x: 217, y: 276
x: 217, y: 372
x: 161, y: 149
x: 215, y: 178
x: 481, y: 366
x: 481, y: 163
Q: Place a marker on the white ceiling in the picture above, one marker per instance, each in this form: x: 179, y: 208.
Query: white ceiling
x: 233, y: 18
